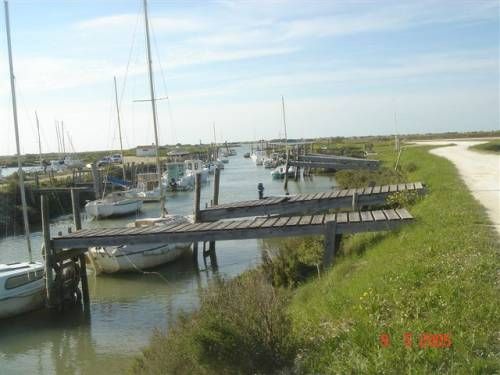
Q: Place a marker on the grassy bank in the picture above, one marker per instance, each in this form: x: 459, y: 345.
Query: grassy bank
x: 492, y: 147
x: 437, y: 276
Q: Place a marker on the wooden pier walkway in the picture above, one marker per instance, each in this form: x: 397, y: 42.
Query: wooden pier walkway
x: 345, y: 222
x: 333, y: 162
x: 308, y: 203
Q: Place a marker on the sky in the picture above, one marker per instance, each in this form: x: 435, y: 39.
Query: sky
x: 345, y: 68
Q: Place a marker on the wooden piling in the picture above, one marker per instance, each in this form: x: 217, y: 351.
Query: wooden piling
x: 96, y: 180
x: 197, y: 196
x: 49, y: 275
x: 355, y: 201
x: 286, y: 170
x: 77, y: 220
x: 215, y: 200
x: 195, y: 252
x: 330, y: 243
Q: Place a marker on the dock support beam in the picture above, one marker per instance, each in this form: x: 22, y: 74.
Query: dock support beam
x: 97, y: 181
x: 215, y: 200
x: 77, y: 220
x: 331, y: 243
x: 49, y: 276
x: 197, y: 196
x: 355, y: 201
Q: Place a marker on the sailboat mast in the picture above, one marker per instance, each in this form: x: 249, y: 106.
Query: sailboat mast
x: 39, y: 140
x: 284, y: 123
x: 153, y: 105
x: 16, y: 128
x: 119, y: 128
x: 63, y: 141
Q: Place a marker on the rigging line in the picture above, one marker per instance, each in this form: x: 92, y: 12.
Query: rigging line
x: 134, y: 35
x: 169, y: 106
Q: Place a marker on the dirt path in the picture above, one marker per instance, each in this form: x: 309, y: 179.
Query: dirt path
x: 480, y: 171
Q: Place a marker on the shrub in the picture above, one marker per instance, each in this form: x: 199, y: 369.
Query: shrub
x: 288, y: 262
x: 242, y: 327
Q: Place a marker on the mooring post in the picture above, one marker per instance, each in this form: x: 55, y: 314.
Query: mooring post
x: 355, y: 201
x: 49, y: 276
x: 330, y: 243
x: 195, y: 252
x: 95, y: 178
x: 213, y: 255
x: 215, y: 200
x: 286, y: 171
x: 77, y: 220
x: 197, y: 195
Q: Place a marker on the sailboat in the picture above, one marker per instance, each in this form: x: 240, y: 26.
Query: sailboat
x: 117, y: 203
x: 22, y: 284
x: 111, y: 259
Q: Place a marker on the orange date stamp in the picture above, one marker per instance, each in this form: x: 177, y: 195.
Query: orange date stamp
x: 424, y: 340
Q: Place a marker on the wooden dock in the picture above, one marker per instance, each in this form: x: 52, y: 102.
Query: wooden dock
x: 333, y: 162
x: 346, y: 222
x: 308, y: 203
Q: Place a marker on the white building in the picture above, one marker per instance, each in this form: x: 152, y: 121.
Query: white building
x: 145, y: 150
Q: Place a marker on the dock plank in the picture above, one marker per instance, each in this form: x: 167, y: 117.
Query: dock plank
x: 403, y: 213
x: 305, y: 220
x: 393, y: 188
x: 281, y: 222
x: 366, y: 216
x: 378, y: 215
x: 294, y: 220
x: 342, y: 217
x: 368, y: 190
x: 384, y: 189
x: 269, y: 222
x: 418, y: 185
x: 391, y: 215
x: 354, y: 217
x: 317, y: 219
x: 377, y: 189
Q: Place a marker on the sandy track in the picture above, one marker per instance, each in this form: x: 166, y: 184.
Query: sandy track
x: 480, y: 171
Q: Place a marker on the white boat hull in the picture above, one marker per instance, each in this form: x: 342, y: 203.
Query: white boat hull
x: 22, y: 288
x: 100, y: 209
x: 18, y: 305
x: 130, y: 258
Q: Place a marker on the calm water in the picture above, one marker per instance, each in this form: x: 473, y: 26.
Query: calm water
x: 125, y: 309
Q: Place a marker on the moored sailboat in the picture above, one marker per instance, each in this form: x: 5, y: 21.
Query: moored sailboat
x: 22, y: 284
x: 125, y: 258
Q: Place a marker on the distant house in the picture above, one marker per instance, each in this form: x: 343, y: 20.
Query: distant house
x: 149, y: 150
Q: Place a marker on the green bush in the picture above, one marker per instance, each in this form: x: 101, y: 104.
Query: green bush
x: 242, y: 327
x: 288, y: 262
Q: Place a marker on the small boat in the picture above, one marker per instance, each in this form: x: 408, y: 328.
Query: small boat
x: 127, y: 258
x: 22, y: 288
x: 175, y: 179
x: 196, y: 166
x: 258, y: 157
x: 146, y: 189
x: 270, y: 163
x: 279, y: 172
x: 246, y: 155
x: 223, y: 160
x: 113, y: 204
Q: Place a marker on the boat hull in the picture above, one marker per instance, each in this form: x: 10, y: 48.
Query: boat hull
x: 17, y: 305
x: 135, y: 258
x: 106, y: 209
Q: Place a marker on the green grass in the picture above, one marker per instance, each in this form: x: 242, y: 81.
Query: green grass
x: 491, y: 147
x: 438, y: 275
